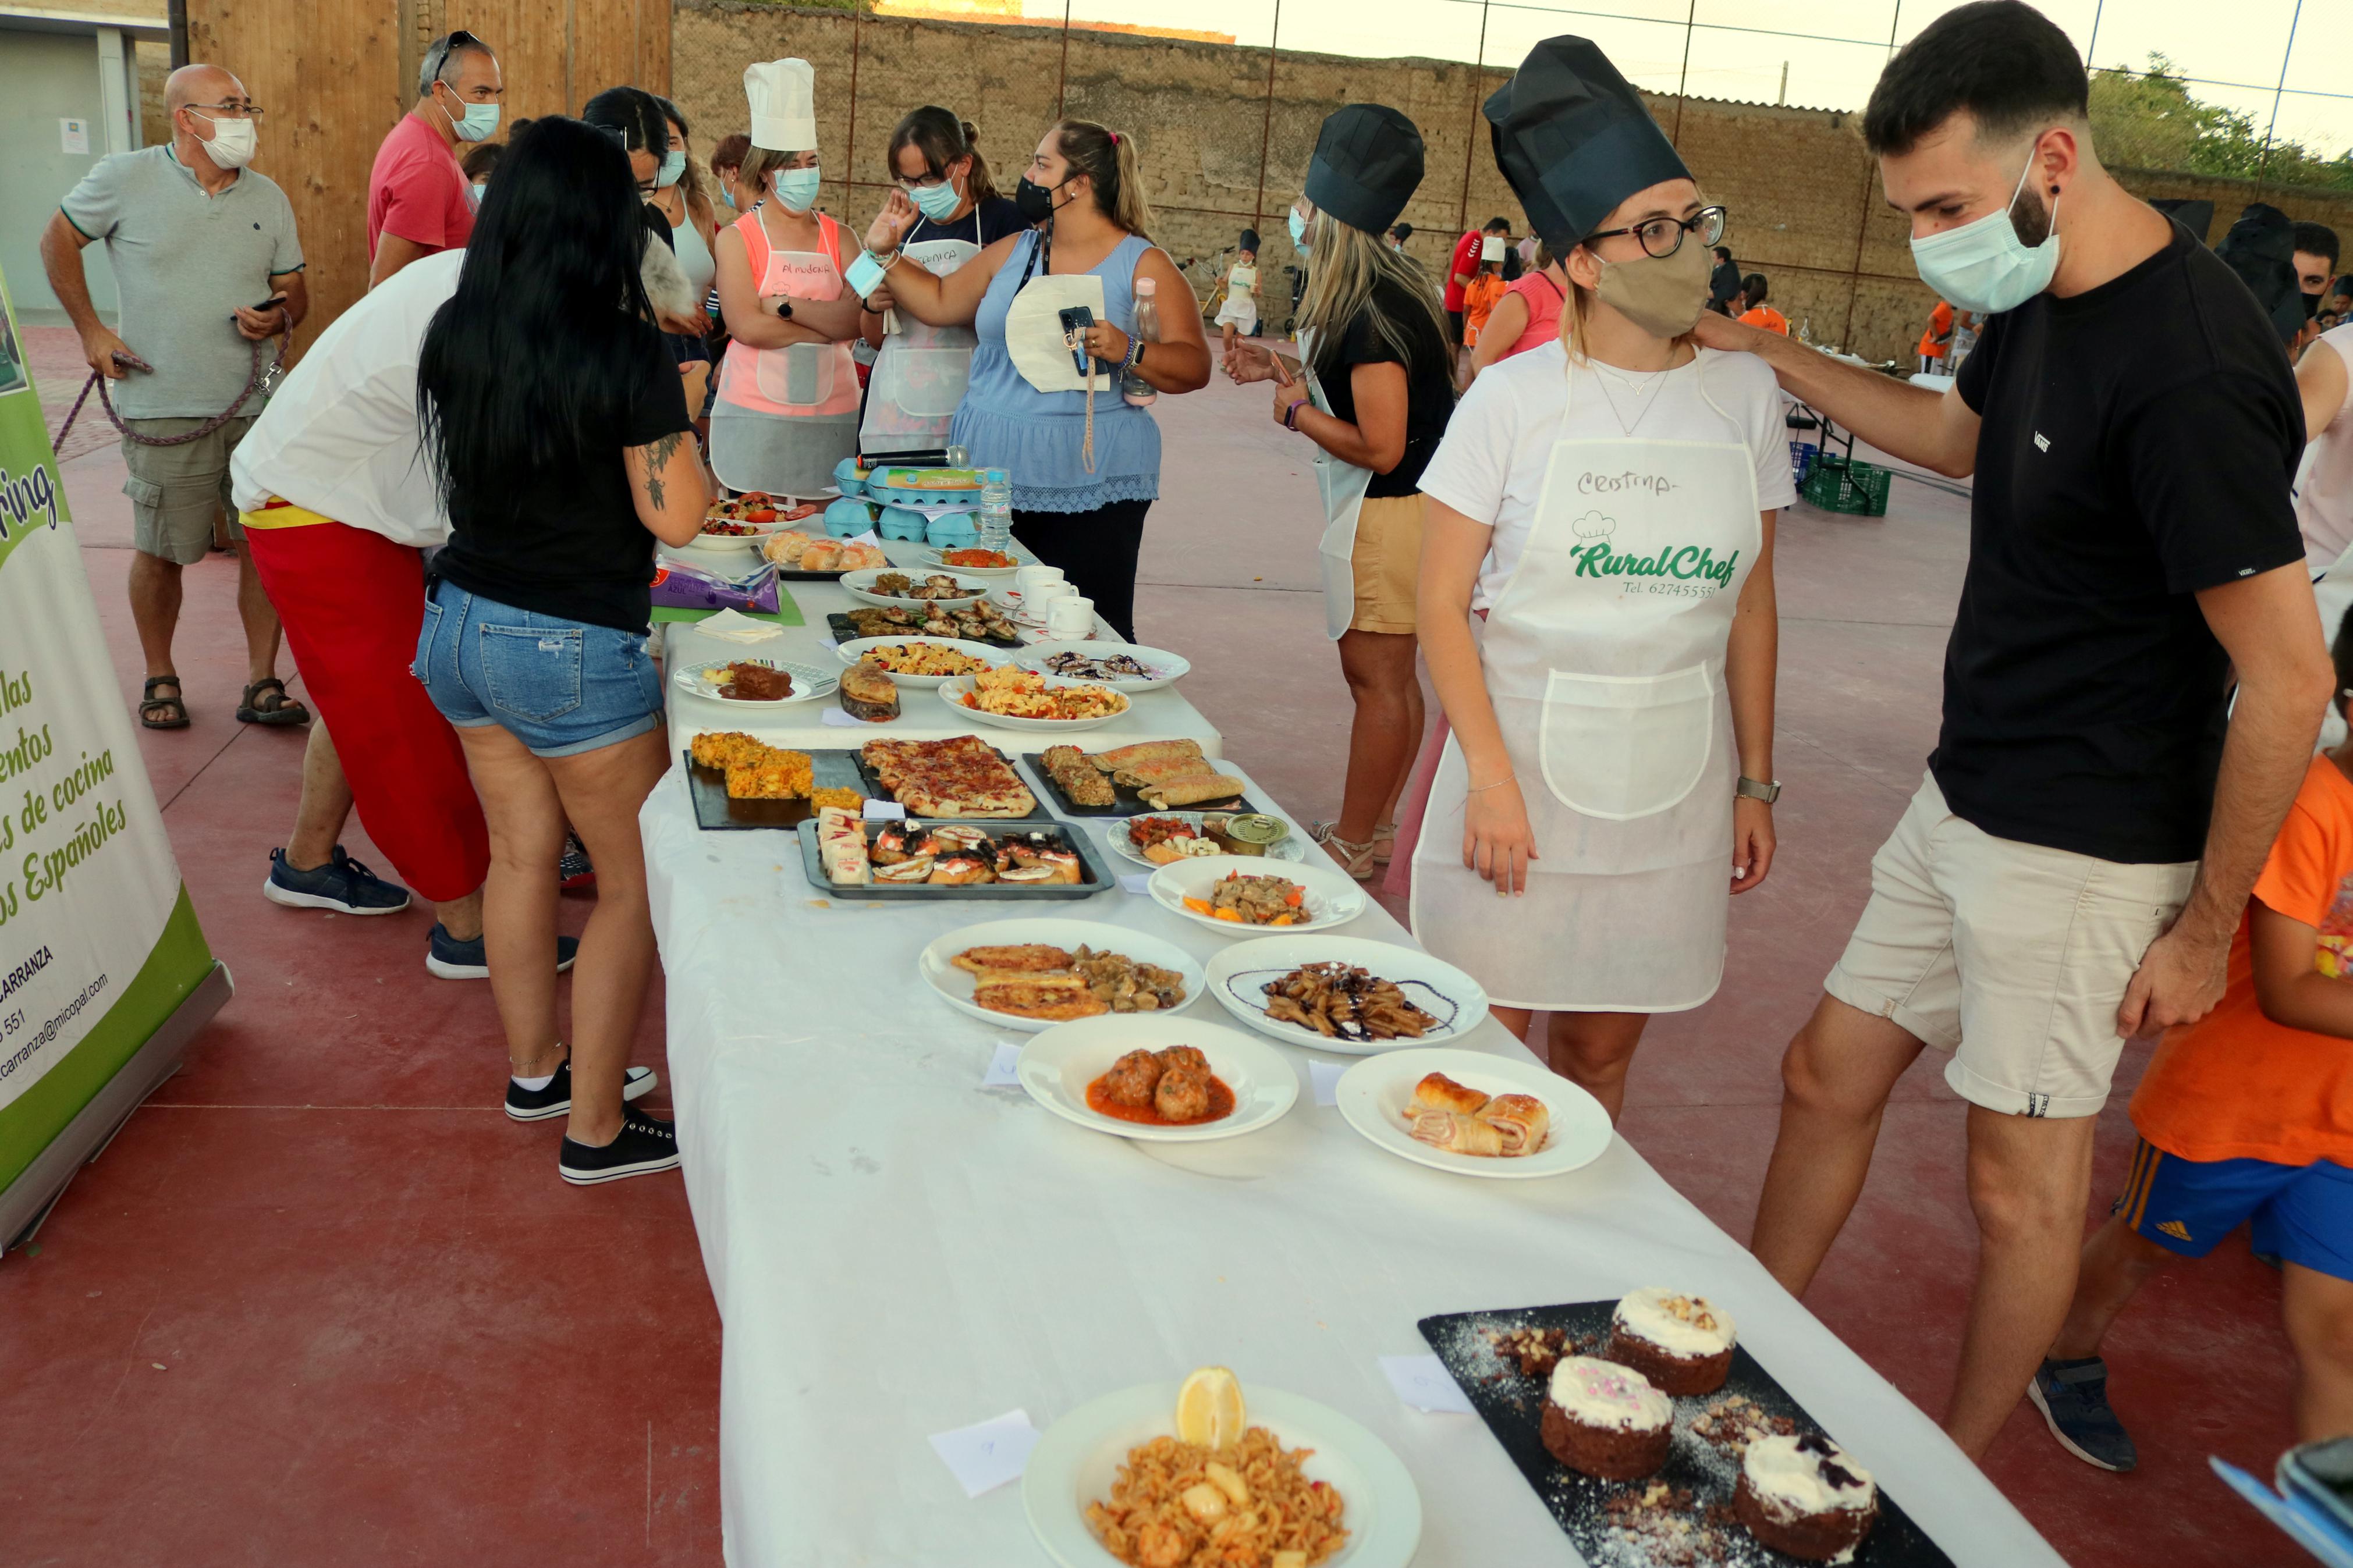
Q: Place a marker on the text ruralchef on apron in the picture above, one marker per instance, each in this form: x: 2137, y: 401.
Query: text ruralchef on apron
x: 1604, y: 650
x: 785, y: 417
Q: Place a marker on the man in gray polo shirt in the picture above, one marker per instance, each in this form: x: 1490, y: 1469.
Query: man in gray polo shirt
x: 206, y: 265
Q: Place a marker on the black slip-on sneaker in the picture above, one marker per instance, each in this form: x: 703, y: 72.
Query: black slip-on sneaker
x: 555, y: 1099
x: 643, y: 1146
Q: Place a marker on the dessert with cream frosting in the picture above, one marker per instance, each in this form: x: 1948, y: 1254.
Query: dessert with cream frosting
x: 1606, y: 1420
x: 1682, y: 1343
x: 1805, y: 1497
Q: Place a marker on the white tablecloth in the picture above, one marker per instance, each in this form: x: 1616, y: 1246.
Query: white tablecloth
x: 896, y: 1251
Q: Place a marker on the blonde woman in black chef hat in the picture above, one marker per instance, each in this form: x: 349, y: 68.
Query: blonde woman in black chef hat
x: 1373, y: 398
x: 1608, y: 502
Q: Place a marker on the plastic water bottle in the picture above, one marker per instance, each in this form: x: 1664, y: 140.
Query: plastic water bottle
x: 996, y: 509
x: 1138, y: 391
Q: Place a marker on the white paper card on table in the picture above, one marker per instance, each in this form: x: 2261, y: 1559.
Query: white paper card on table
x: 1136, y: 882
x: 1003, y: 1067
x: 1325, y: 1077
x: 869, y: 537
x: 1421, y: 1381
x: 985, y: 1457
x: 840, y: 720
x: 734, y: 625
x: 884, y: 810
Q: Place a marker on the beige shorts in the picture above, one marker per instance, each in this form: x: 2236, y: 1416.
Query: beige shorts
x: 1387, y: 563
x: 176, y: 492
x: 2012, y: 956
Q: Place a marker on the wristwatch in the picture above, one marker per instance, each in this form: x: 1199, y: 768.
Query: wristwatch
x: 1754, y: 789
x: 784, y: 310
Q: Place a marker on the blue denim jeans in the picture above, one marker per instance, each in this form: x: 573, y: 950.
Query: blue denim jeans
x: 561, y: 686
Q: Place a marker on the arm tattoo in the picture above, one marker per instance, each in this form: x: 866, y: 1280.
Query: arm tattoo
x: 657, y: 458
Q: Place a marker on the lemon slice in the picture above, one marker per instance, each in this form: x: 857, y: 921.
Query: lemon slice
x: 1209, y: 1409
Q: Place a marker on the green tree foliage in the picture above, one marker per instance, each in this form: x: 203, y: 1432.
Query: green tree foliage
x: 2149, y: 120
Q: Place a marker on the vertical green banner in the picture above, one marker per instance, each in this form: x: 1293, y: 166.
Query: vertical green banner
x: 98, y: 943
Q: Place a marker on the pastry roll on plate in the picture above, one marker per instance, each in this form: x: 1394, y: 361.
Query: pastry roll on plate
x: 1439, y: 1093
x: 1457, y: 1133
x: 1520, y: 1120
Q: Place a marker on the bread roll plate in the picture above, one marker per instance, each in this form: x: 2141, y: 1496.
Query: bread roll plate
x: 1375, y: 1093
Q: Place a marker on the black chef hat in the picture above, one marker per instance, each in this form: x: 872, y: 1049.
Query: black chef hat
x: 1367, y: 161
x: 1574, y: 140
x: 1249, y: 240
x: 2261, y: 249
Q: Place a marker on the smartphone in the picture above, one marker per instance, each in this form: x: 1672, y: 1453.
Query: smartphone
x: 273, y: 300
x: 2321, y: 1475
x: 865, y: 275
x: 1076, y: 321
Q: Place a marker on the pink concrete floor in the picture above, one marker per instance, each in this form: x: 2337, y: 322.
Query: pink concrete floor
x: 321, y: 1303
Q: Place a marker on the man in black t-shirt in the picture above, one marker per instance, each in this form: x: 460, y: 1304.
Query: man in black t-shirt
x: 2075, y: 865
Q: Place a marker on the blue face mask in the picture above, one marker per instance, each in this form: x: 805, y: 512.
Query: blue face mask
x: 797, y: 188
x: 1298, y: 229
x: 937, y: 203
x: 474, y: 193
x: 673, y: 168
x: 477, y: 123
x: 1984, y: 267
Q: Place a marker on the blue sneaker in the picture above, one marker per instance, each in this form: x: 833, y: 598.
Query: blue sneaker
x: 2073, y: 1398
x: 453, y: 960
x: 343, y: 885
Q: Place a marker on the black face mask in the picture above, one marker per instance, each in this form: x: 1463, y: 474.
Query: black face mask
x: 1036, y: 202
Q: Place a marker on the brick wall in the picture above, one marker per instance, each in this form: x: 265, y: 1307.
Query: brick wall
x: 1804, y: 196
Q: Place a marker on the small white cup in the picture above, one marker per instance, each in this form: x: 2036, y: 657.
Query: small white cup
x: 1036, y: 575
x: 1038, y: 602
x: 1070, y: 615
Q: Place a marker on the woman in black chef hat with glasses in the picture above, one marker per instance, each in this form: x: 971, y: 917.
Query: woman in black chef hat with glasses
x: 1372, y: 390
x: 1606, y: 501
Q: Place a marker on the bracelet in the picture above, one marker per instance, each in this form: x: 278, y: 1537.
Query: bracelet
x: 887, y: 262
x: 1135, y: 354
x: 1482, y: 789
x: 1290, y: 414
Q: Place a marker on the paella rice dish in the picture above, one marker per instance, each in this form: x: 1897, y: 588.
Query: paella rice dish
x: 1183, y: 1505
x: 1016, y: 693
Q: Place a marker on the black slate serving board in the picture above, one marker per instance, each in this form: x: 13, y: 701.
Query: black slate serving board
x: 843, y: 631
x: 1126, y: 800
x: 714, y: 809
x: 1512, y: 1406
x: 1094, y: 877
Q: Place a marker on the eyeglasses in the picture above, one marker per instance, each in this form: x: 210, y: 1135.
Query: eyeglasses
x: 1662, y: 236
x: 230, y: 110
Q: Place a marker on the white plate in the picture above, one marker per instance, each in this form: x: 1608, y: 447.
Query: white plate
x: 852, y: 650
x: 721, y: 544
x: 1172, y: 667
x: 1238, y: 978
x: 810, y: 682
x: 1007, y: 602
x: 930, y: 561
x: 1333, y: 900
x: 1056, y: 1066
x: 954, y: 690
x: 1375, y: 1091
x: 955, y: 985
x: 1291, y: 848
x: 1077, y: 1460
x: 859, y: 585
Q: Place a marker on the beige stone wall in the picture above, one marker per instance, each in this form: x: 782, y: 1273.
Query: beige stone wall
x: 1804, y: 196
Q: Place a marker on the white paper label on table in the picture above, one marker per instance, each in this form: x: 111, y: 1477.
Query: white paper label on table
x: 1003, y: 1066
x: 1135, y: 882
x: 840, y: 720
x: 734, y: 625
x: 985, y: 1457
x: 1325, y: 1077
x: 884, y: 810
x: 1421, y: 1381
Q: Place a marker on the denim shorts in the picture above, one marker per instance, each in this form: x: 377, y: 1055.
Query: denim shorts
x: 561, y: 686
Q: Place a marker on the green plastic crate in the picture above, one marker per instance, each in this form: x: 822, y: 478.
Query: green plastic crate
x: 1840, y: 484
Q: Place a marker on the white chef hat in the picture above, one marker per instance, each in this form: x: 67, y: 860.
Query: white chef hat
x: 782, y: 95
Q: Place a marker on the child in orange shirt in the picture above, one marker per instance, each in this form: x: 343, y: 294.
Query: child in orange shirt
x: 1485, y: 288
x: 1753, y: 290
x: 2247, y: 1117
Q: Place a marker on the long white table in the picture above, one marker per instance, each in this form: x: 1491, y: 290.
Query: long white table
x: 896, y: 1251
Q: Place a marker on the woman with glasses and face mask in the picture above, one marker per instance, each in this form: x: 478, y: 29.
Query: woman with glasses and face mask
x: 786, y: 411
x: 920, y: 373
x: 1607, y: 502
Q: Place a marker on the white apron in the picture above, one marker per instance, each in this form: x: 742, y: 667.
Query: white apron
x: 1342, y: 486
x: 920, y: 374
x: 1604, y: 657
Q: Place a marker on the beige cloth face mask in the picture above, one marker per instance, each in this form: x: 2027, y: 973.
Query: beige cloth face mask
x: 1665, y: 296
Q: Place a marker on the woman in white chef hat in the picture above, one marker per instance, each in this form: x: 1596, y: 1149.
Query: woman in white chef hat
x: 787, y: 412
x: 1608, y: 502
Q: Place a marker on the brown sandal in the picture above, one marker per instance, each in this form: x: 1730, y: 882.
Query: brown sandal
x: 163, y: 712
x: 282, y: 711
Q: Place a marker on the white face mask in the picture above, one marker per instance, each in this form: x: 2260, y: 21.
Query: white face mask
x: 1983, y: 266
x: 234, y: 141
x: 797, y: 188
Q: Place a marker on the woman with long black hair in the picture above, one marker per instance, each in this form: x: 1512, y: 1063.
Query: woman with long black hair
x: 557, y: 431
x: 1085, y: 462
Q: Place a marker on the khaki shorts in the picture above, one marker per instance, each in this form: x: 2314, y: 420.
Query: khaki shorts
x: 176, y: 492
x: 2013, y: 956
x: 1387, y: 563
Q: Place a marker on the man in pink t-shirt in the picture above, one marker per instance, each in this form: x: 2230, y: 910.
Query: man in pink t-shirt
x: 420, y: 201
x: 1463, y: 268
